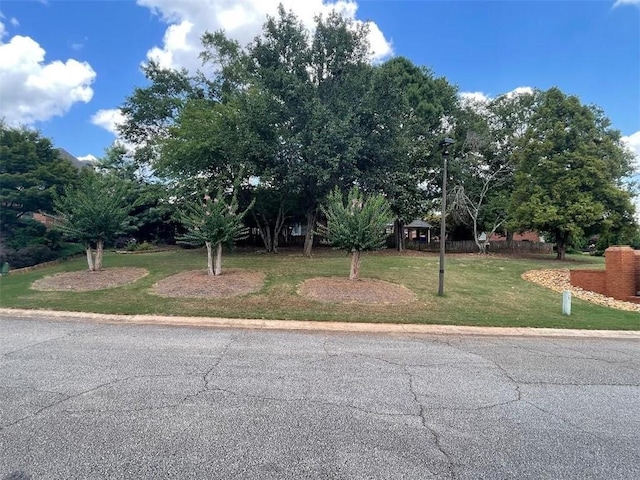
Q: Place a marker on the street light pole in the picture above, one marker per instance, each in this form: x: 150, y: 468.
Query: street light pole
x: 446, y: 143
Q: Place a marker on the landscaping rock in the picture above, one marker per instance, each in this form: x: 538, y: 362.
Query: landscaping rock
x: 558, y: 281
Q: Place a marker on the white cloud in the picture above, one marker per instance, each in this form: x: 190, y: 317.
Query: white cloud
x: 481, y: 97
x: 633, y: 143
x: 520, y: 91
x: 88, y: 158
x: 32, y: 90
x: 109, y: 119
x: 242, y: 20
x: 620, y: 3
x: 474, y: 97
x: 14, y: 21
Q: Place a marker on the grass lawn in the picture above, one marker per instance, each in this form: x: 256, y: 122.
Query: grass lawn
x: 479, y: 290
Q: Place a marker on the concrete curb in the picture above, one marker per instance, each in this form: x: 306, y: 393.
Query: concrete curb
x: 211, y: 322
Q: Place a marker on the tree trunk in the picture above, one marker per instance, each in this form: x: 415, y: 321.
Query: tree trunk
x: 308, y: 238
x: 265, y: 232
x: 354, y: 274
x: 90, y: 258
x: 270, y: 239
x: 509, y: 236
x: 277, y: 228
x: 99, y: 250
x: 209, y: 258
x: 398, y: 230
x: 561, y: 245
x: 481, y: 245
x: 217, y: 269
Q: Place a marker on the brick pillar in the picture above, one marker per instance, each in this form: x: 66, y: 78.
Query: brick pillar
x: 637, y: 255
x: 620, y: 264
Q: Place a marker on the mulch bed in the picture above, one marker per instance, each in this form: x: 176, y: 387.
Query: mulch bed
x: 343, y: 290
x: 198, y: 284
x: 84, y: 281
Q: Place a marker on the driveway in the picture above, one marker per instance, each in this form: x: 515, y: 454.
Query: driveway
x: 84, y: 400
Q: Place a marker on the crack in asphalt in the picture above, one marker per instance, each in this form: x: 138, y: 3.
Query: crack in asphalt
x: 573, y: 384
x: 205, y: 375
x: 563, y: 420
x: 553, y: 342
x: 309, y: 401
x: 67, y: 397
x: 326, y: 348
x: 581, y: 355
x: 27, y: 347
x: 432, y: 431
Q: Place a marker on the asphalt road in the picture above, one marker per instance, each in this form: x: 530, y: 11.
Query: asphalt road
x: 82, y: 400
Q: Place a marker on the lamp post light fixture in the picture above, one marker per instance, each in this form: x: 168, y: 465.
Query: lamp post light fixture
x: 446, y: 143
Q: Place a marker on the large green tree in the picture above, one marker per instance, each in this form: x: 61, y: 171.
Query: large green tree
x: 571, y: 171
x: 401, y: 121
x: 150, y: 111
x: 31, y: 172
x: 303, y: 89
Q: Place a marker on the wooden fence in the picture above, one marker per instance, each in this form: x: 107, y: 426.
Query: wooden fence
x: 469, y: 246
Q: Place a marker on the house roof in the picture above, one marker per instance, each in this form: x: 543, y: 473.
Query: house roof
x: 418, y: 224
x: 73, y: 160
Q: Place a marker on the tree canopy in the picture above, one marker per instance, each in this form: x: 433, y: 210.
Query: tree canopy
x: 31, y: 173
x: 571, y: 167
x: 298, y: 112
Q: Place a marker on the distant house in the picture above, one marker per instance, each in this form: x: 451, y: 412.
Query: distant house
x: 49, y: 220
x: 73, y: 160
x: 418, y: 231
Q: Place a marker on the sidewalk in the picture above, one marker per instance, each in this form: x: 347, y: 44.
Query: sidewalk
x: 211, y: 322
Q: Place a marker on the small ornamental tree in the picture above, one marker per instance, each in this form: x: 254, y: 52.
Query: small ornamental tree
x: 356, y: 227
x: 213, y: 222
x: 94, y: 212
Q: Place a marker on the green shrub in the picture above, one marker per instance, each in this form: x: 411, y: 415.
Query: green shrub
x: 26, y: 232
x: 27, y: 256
x: 145, y: 246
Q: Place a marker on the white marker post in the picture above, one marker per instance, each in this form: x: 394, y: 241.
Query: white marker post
x: 566, y: 302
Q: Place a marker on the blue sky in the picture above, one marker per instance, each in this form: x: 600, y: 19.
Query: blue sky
x: 66, y: 66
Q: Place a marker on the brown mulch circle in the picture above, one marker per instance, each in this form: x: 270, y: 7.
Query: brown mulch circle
x: 558, y: 281
x: 333, y: 289
x: 84, y: 281
x: 198, y: 284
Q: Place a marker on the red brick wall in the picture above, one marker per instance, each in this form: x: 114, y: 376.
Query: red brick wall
x: 592, y: 280
x: 621, y: 277
x: 637, y: 255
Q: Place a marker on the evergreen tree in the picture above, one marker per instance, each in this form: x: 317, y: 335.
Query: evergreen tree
x: 31, y: 172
